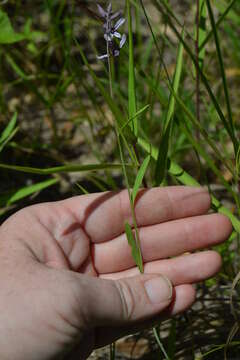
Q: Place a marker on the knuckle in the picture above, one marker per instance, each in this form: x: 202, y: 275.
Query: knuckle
x: 127, y: 300
x: 15, y: 218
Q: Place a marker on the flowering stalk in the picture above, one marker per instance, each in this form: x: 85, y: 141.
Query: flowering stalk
x: 110, y: 34
x: 111, y: 31
x: 113, y: 50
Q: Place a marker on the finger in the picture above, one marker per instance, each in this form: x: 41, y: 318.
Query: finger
x: 103, y: 216
x: 180, y: 270
x: 122, y: 302
x: 163, y: 240
x: 184, y: 297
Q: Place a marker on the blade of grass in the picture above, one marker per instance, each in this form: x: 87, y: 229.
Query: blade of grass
x: 139, y: 178
x: 9, y: 132
x: 161, y: 164
x: 139, y: 112
x: 210, y: 34
x: 146, y: 55
x: 136, y: 254
x: 29, y: 190
x: 61, y: 169
x: 234, y: 284
x: 218, y: 348
x: 97, y: 183
x: 233, y: 14
x: 82, y: 189
x: 202, y: 31
x: 16, y: 68
x: 238, y: 163
x: 3, y: 144
x: 221, y: 64
x: 152, y: 32
x: 133, y: 242
x: 167, y: 6
x: 9, y: 128
x: 160, y: 344
x: 220, y: 20
x: 231, y: 335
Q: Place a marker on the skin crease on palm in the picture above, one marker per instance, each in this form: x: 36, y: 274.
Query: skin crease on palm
x: 69, y: 283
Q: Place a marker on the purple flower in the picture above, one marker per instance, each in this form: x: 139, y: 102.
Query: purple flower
x: 110, y: 31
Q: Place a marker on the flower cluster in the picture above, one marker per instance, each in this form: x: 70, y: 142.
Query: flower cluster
x: 110, y: 31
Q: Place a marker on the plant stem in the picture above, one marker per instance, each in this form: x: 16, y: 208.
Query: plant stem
x: 109, y: 71
x: 197, y: 70
x: 118, y: 133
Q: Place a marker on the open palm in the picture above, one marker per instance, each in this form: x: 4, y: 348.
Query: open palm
x: 68, y: 279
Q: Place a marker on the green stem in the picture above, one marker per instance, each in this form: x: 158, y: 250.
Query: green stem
x: 118, y: 132
x: 109, y: 71
x: 160, y: 343
x: 131, y: 204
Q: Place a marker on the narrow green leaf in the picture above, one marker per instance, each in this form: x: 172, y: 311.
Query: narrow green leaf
x: 16, y: 67
x: 29, y: 190
x: 202, y: 31
x: 221, y: 64
x: 136, y: 239
x: 233, y: 14
x: 9, y: 129
x: 238, y: 162
x: 139, y: 112
x: 139, y: 177
x: 161, y: 165
x: 23, y: 76
x: 96, y: 182
x: 132, y: 106
x: 234, y: 330
x: 83, y: 190
x: 160, y: 344
x: 4, y: 143
x: 219, y: 21
x: 176, y: 81
x: 136, y: 253
x: 146, y: 55
x: 61, y: 169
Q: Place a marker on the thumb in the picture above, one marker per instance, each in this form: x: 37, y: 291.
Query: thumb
x: 125, y: 301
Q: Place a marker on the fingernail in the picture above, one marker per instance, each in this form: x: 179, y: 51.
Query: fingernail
x: 159, y: 289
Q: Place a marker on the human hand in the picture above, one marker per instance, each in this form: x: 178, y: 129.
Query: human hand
x: 68, y: 281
